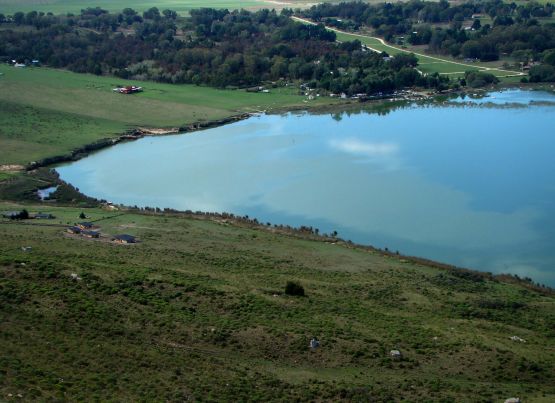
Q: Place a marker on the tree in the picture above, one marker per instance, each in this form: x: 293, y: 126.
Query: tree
x: 18, y: 18
x: 129, y: 12
x: 542, y: 72
x: 82, y: 216
x: 549, y: 57
x: 471, y: 50
x: 295, y: 289
x: 478, y: 79
x: 151, y: 14
x: 22, y: 215
x: 404, y: 60
x: 287, y: 12
x: 170, y: 14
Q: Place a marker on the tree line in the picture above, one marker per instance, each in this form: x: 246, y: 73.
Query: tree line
x: 456, y: 29
x: 212, y: 47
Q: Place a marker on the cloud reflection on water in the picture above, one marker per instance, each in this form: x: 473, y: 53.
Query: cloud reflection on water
x: 396, y: 178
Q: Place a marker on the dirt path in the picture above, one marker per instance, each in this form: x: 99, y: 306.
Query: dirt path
x: 149, y: 131
x: 512, y: 73
x: 11, y: 168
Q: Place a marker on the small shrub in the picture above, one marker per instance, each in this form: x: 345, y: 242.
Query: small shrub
x: 293, y: 288
x: 22, y: 215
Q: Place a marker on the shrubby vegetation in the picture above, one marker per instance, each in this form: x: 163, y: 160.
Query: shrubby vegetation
x: 453, y: 29
x: 212, y: 47
x: 476, y: 79
x: 246, y: 49
x: 294, y: 288
x: 193, y: 313
x: 545, y: 71
x: 22, y: 215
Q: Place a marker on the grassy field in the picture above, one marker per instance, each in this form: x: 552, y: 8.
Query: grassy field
x: 181, y: 6
x: 75, y: 6
x: 47, y: 112
x: 429, y: 63
x: 196, y: 311
x: 29, y: 134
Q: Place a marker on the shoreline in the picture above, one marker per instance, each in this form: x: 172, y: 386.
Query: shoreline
x: 308, y: 234
x: 141, y: 132
x: 302, y: 232
x: 130, y: 135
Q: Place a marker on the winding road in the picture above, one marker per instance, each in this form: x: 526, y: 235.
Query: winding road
x: 491, y: 69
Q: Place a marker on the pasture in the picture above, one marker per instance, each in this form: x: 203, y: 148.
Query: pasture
x: 181, y: 6
x: 48, y: 112
x: 197, y: 311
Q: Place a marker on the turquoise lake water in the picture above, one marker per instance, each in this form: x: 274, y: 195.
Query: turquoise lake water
x: 469, y: 182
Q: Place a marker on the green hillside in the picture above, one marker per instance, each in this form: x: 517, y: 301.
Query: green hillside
x: 197, y: 311
x: 47, y: 112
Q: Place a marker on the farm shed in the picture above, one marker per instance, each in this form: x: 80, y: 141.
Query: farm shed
x: 74, y: 230
x: 44, y: 216
x: 91, y: 234
x: 125, y: 238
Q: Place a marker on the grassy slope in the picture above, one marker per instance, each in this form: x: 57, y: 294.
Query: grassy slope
x: 29, y: 134
x: 196, y: 311
x: 47, y: 112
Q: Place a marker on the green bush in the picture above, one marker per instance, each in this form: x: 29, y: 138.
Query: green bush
x: 476, y: 79
x: 543, y: 73
x: 293, y: 288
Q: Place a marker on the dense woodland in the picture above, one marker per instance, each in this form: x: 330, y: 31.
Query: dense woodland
x: 212, y: 47
x: 242, y: 49
x: 456, y: 29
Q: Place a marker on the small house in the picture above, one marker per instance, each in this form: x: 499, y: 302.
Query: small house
x: 91, y: 234
x: 86, y: 225
x: 124, y: 238
x: 74, y: 230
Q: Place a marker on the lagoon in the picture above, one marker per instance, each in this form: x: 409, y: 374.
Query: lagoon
x: 469, y: 182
